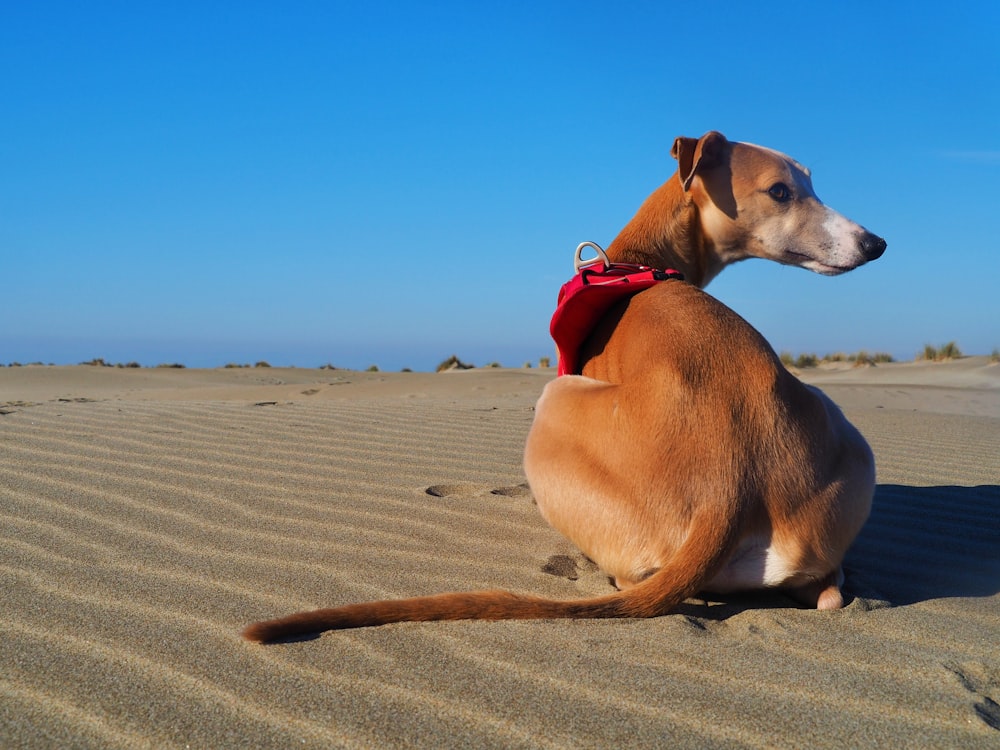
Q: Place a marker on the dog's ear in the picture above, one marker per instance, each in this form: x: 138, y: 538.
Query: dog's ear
x: 693, y: 154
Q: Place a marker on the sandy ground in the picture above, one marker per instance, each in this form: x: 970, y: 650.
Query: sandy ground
x: 147, y: 515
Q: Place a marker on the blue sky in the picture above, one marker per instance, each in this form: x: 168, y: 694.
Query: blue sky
x: 392, y: 183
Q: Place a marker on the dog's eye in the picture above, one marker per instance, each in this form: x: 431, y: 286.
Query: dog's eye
x: 780, y: 192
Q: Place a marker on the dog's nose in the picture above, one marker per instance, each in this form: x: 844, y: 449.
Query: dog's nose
x: 872, y: 246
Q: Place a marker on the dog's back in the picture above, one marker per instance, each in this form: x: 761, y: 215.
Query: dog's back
x: 683, y: 408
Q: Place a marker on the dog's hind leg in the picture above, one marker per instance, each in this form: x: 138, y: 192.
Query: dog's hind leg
x: 578, y: 471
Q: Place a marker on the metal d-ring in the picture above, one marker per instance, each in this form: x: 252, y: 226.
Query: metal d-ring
x: 579, y: 262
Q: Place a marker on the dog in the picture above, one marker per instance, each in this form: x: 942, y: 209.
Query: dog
x: 684, y: 457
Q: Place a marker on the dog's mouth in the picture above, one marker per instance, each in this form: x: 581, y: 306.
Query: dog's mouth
x: 793, y: 258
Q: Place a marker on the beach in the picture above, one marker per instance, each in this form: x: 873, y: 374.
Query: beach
x: 148, y: 514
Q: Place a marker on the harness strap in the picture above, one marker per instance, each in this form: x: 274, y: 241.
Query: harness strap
x: 586, y: 298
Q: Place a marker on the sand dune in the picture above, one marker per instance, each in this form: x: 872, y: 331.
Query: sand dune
x: 146, y: 516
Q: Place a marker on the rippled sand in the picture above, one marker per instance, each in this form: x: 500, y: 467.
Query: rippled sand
x: 146, y: 516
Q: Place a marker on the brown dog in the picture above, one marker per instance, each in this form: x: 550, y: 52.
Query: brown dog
x: 685, y: 457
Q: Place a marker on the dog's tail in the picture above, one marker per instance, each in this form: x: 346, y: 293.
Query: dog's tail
x: 709, y: 543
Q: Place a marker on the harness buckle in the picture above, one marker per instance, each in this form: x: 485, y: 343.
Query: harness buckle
x: 579, y: 262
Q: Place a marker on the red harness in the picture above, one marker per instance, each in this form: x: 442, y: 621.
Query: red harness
x: 584, y: 300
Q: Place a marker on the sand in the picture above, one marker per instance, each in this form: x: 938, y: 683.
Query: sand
x: 146, y: 516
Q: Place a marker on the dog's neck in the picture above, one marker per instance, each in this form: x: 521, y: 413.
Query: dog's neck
x: 666, y: 233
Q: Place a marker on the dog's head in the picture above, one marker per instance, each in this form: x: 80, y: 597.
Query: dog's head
x: 757, y: 202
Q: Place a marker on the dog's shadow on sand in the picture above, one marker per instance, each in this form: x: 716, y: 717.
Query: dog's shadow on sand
x: 920, y: 543
x: 923, y: 543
